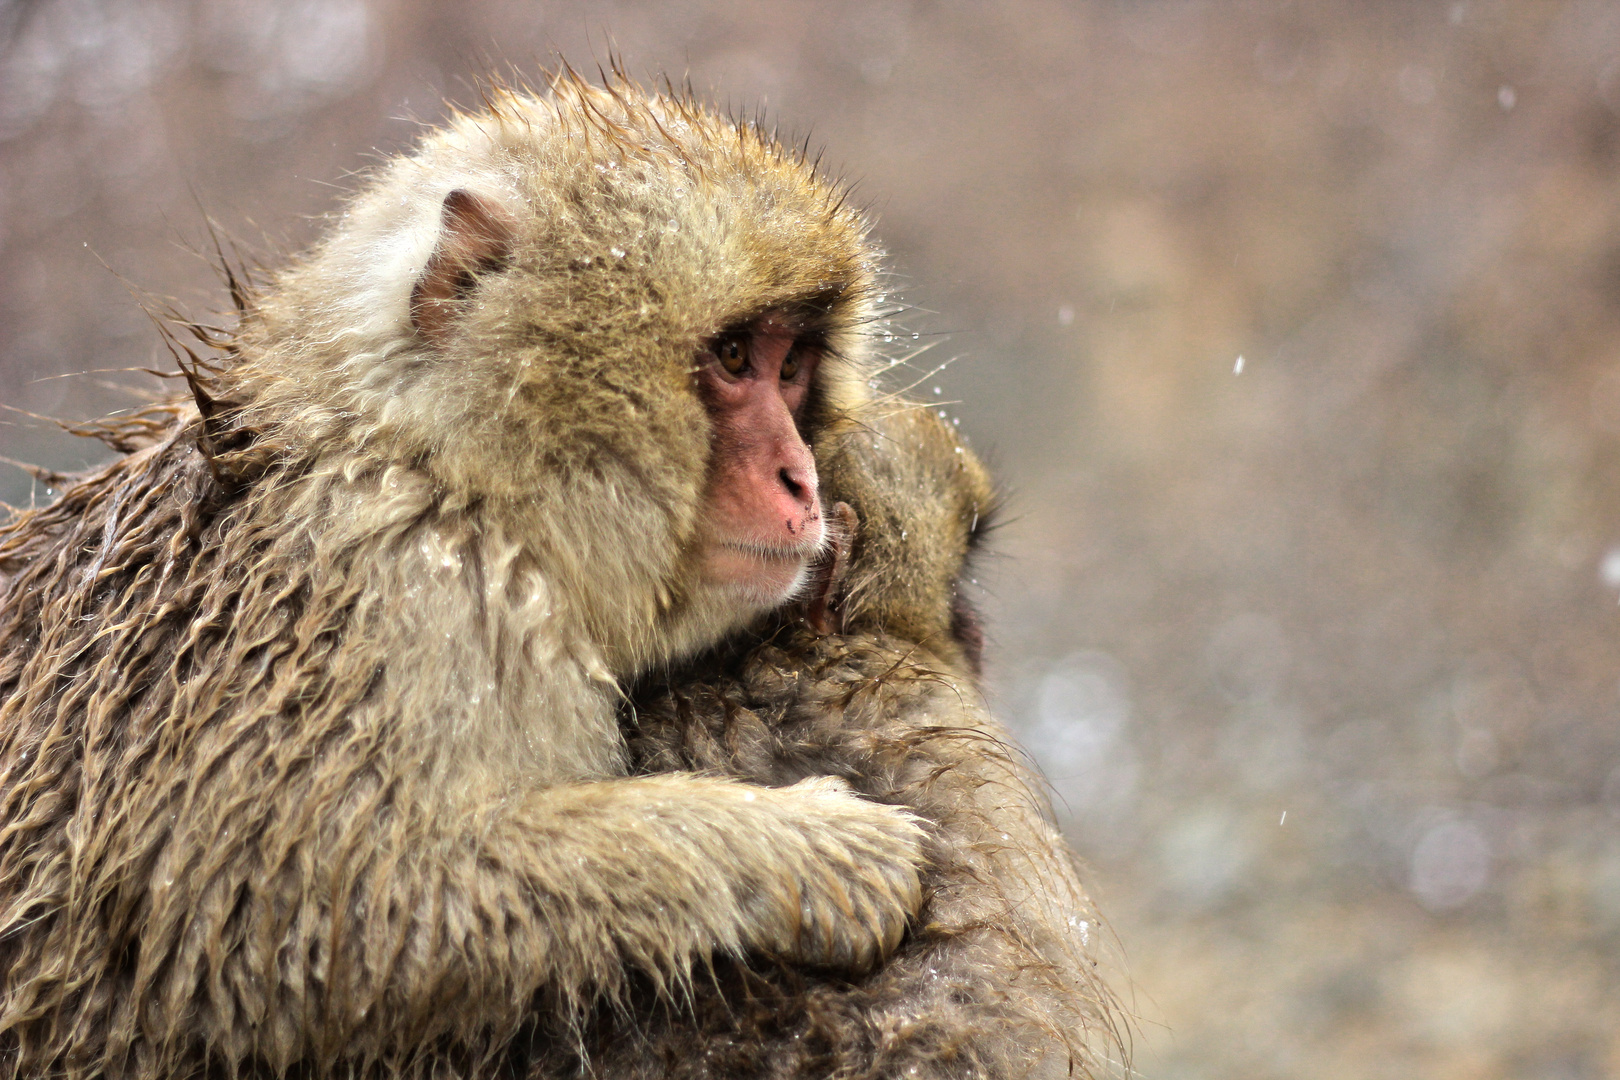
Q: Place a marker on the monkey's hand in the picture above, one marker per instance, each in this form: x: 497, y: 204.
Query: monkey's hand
x: 854, y: 885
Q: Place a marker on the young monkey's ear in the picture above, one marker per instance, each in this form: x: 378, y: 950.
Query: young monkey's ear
x: 827, y: 576
x: 474, y: 238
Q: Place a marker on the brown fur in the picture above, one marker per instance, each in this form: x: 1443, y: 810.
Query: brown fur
x: 997, y: 979
x: 308, y: 749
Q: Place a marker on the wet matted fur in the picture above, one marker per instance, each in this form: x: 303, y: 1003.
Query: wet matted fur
x: 309, y: 758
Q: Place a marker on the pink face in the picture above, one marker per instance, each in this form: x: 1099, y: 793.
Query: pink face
x: 765, y: 522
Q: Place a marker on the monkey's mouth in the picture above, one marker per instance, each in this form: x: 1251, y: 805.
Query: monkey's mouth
x: 767, y: 552
x: 766, y: 574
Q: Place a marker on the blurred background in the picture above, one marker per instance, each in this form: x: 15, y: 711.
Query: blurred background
x: 1293, y: 330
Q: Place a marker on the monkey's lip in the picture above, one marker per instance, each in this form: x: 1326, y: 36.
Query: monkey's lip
x: 772, y: 553
x: 766, y: 573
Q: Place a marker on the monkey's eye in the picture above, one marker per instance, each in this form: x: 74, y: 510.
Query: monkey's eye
x: 733, y: 353
x: 790, y: 364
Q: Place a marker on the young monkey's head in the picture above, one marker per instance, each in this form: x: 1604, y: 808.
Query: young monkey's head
x: 923, y: 504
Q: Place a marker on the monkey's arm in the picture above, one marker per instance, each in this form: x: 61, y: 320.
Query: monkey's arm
x: 653, y: 872
x: 453, y: 926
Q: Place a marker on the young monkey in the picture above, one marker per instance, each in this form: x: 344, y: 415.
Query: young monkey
x: 309, y: 758
x: 997, y: 979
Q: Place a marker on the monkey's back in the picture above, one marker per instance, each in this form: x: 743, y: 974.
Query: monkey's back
x: 182, y: 677
x: 95, y: 589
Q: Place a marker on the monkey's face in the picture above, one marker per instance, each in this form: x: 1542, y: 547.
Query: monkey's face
x: 608, y: 390
x: 763, y: 505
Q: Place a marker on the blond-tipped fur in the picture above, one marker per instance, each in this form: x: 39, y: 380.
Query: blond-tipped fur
x: 998, y: 979
x: 308, y: 750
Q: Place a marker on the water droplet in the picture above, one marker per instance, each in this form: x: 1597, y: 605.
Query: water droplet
x: 1609, y: 569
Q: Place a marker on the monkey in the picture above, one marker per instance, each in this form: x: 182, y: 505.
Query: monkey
x: 309, y: 750
x: 997, y: 978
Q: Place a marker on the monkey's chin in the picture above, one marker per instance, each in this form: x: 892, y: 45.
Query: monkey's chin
x: 757, y: 577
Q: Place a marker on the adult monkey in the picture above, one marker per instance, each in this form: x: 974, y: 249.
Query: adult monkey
x: 308, y: 755
x: 997, y: 980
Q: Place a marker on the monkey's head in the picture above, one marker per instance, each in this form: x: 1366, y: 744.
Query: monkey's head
x: 925, y: 504
x: 608, y: 322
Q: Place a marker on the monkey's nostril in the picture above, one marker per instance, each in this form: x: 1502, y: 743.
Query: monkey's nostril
x: 793, y: 485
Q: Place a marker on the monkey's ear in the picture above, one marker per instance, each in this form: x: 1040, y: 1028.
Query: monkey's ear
x: 474, y: 237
